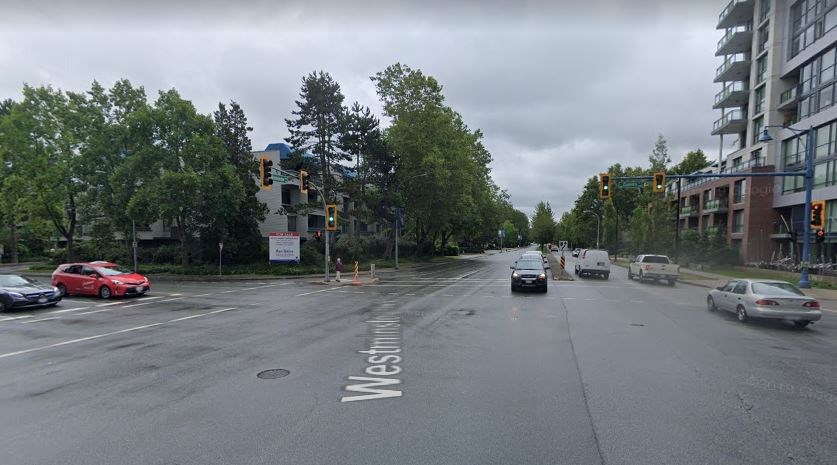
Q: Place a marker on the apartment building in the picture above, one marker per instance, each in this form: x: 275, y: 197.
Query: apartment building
x: 777, y: 69
x: 284, y: 199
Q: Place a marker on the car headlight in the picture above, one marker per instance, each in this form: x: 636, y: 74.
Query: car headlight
x: 515, y: 275
x: 542, y: 276
x: 16, y: 295
x: 116, y: 281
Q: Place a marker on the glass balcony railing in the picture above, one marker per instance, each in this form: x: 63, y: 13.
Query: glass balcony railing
x: 735, y: 86
x: 787, y: 95
x: 715, y: 205
x: 732, y: 4
x: 715, y: 229
x: 687, y: 210
x: 752, y: 163
x: 730, y: 116
x: 730, y: 61
x: 731, y: 32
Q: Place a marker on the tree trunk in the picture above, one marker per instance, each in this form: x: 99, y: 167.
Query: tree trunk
x: 390, y: 243
x: 13, y: 242
x: 184, y: 246
x: 70, y: 254
x: 433, y: 244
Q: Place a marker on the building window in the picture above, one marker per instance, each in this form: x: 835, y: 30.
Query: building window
x: 765, y: 9
x: 739, y: 191
x: 738, y: 221
x: 291, y: 223
x: 820, y: 174
x: 286, y: 197
x: 312, y: 196
x: 761, y: 69
x: 810, y: 20
x: 792, y: 152
x: 760, y: 99
x: 826, y: 97
x: 823, y: 138
x: 793, y: 183
x: 763, y: 38
x: 831, y: 215
x: 827, y: 65
x: 758, y: 124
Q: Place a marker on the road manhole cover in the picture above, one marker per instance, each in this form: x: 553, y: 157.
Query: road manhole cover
x: 273, y: 374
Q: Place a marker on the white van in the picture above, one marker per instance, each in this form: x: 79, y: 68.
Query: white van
x: 593, y: 262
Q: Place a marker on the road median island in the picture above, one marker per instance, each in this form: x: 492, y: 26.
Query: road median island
x: 558, y: 273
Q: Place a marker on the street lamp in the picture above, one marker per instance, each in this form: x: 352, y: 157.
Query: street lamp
x: 598, y: 221
x: 804, y: 282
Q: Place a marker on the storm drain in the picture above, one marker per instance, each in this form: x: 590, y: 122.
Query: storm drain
x: 273, y: 373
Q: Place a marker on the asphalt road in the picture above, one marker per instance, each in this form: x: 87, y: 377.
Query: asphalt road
x: 458, y: 370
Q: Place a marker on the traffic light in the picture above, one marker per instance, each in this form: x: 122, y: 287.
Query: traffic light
x: 659, y: 184
x: 266, y: 172
x: 604, y: 186
x: 303, y: 182
x: 331, y: 217
x: 820, y: 235
x: 318, y: 235
x: 817, y: 213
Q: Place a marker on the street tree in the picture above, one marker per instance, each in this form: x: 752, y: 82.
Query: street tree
x: 659, y: 158
x: 694, y: 160
x: 543, y: 223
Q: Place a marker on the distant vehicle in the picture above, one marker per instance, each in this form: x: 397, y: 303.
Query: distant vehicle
x: 654, y: 268
x: 104, y: 279
x: 554, y: 247
x: 750, y: 298
x: 529, y: 272
x: 593, y: 262
x: 576, y: 252
x: 535, y: 253
x: 20, y: 292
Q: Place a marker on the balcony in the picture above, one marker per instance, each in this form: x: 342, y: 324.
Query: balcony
x: 716, y: 206
x: 737, y: 12
x: 788, y: 100
x: 738, y: 39
x: 748, y: 165
x: 734, y: 94
x: 733, y: 122
x: 688, y: 211
x: 734, y: 68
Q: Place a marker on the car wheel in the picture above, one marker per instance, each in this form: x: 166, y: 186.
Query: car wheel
x: 606, y: 276
x: 62, y: 290
x: 641, y: 279
x: 801, y: 324
x: 742, y: 314
x: 513, y: 288
x: 545, y: 289
x: 104, y: 292
x: 2, y: 306
x: 710, y: 304
x: 630, y: 275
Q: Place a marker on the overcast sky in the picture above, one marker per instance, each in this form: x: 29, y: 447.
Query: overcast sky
x: 561, y: 89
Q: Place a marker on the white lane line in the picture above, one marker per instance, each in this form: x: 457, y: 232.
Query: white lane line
x: 409, y: 294
x: 588, y: 300
x: 112, y: 333
x: 174, y: 295
x: 358, y: 292
x: 108, y: 304
x: 392, y: 293
x: 227, y: 292
x: 316, y: 292
x: 201, y: 295
x: 20, y: 317
x: 70, y: 310
x: 449, y: 295
x: 170, y: 300
x: 35, y: 321
x: 568, y: 298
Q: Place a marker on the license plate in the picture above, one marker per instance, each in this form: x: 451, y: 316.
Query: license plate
x: 42, y: 300
x: 527, y: 281
x: 138, y: 288
x: 600, y: 264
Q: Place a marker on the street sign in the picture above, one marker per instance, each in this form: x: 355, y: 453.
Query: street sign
x: 281, y: 178
x: 562, y: 245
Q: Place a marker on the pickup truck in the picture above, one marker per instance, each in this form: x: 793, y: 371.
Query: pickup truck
x: 655, y: 268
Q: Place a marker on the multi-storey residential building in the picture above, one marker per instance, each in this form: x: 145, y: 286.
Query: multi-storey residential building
x: 283, y: 197
x: 778, y: 69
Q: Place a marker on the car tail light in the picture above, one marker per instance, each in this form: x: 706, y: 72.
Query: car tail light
x: 766, y: 302
x: 811, y: 304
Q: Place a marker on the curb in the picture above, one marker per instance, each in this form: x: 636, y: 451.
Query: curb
x: 692, y: 283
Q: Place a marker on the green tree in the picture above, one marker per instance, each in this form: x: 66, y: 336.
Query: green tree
x: 188, y: 181
x: 543, y: 223
x: 659, y: 158
x: 694, y: 160
x: 240, y: 234
x: 318, y: 123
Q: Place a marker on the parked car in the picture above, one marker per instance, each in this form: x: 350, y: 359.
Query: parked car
x: 104, y: 279
x: 576, y: 252
x: 654, y: 268
x: 21, y: 292
x: 554, y: 247
x: 750, y: 298
x: 593, y: 262
x: 529, y: 272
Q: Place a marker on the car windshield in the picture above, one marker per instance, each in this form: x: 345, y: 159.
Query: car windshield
x: 771, y: 288
x: 529, y: 264
x: 112, y: 271
x: 13, y: 280
x: 654, y: 259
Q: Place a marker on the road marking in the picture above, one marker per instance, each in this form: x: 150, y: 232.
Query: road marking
x: 315, y: 292
x: 174, y: 295
x: 257, y: 287
x: 108, y: 304
x: 568, y: 298
x: 449, y: 295
x: 409, y: 294
x: 201, y: 295
x: 11, y: 318
x: 112, y: 333
x: 70, y: 310
x: 227, y: 292
x: 35, y: 321
x: 171, y: 300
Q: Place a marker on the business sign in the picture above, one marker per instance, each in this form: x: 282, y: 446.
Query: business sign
x: 284, y: 247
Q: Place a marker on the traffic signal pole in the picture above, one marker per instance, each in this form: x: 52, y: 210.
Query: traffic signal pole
x: 804, y: 281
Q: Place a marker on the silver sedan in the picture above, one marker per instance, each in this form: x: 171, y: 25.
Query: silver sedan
x: 757, y: 298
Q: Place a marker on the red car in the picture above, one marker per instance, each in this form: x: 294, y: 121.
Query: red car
x: 104, y: 279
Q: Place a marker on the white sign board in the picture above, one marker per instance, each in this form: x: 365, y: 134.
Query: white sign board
x: 284, y: 247
x: 562, y: 245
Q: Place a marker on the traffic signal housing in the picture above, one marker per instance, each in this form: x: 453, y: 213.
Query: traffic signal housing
x: 331, y: 217
x: 303, y: 182
x: 266, y: 172
x: 605, y: 184
x: 817, y: 214
x: 820, y: 235
x: 659, y: 182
